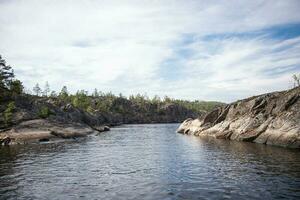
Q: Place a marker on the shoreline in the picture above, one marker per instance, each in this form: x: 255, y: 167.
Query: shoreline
x: 41, y: 130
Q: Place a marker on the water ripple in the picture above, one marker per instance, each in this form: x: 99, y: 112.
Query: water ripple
x: 148, y: 162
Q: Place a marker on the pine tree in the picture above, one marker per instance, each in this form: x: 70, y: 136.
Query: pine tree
x: 16, y: 87
x: 64, y: 93
x: 296, y: 80
x: 6, y: 75
x: 46, y: 89
x: 37, y: 89
x: 95, y: 93
x: 53, y: 94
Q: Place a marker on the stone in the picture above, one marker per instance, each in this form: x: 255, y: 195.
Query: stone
x: 101, y: 128
x: 5, y: 140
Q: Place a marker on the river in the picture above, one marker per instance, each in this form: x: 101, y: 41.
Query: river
x: 148, y: 162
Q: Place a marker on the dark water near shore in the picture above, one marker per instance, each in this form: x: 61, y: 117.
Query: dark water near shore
x: 148, y: 162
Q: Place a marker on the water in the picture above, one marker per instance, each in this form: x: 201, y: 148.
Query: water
x: 148, y: 162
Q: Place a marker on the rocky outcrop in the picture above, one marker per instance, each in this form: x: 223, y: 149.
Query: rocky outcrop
x: 43, y: 130
x: 272, y: 119
x: 61, y: 122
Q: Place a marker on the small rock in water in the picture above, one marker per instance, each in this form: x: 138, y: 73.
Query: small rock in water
x: 102, y: 128
x: 106, y: 128
x: 44, y: 140
x: 5, y: 140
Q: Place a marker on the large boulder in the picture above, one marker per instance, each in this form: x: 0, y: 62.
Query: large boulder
x: 272, y: 118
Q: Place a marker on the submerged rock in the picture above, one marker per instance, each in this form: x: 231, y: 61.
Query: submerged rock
x: 272, y: 118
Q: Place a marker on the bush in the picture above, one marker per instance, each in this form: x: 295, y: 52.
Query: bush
x: 8, y: 113
x: 89, y: 109
x: 44, y: 112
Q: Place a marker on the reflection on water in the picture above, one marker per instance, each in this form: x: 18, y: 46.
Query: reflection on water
x: 148, y: 162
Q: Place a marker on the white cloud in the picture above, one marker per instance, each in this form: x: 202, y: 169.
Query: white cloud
x: 233, y: 68
x: 121, y: 45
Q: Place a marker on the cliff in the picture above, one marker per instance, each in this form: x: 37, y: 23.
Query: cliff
x: 272, y: 119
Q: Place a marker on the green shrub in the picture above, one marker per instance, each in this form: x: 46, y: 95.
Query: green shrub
x: 89, y: 109
x: 8, y: 113
x: 44, y: 112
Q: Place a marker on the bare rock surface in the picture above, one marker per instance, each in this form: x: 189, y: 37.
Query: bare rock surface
x: 272, y: 119
x: 43, y: 130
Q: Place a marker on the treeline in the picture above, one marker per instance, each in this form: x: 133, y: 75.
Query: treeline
x: 98, y: 101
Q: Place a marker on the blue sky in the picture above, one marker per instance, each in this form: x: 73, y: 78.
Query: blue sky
x: 205, y: 50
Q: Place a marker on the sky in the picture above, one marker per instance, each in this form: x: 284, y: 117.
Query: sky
x: 195, y: 50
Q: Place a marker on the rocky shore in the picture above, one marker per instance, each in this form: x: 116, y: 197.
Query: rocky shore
x: 41, y: 130
x: 272, y: 119
x: 37, y: 119
x: 62, y: 122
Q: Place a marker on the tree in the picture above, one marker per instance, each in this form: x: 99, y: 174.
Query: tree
x: 8, y: 113
x: 27, y: 91
x: 121, y: 96
x: 296, y: 80
x: 16, y: 87
x: 95, y: 93
x: 81, y: 100
x: 167, y: 99
x: 46, y: 89
x: 53, y: 94
x: 64, y: 93
x: 37, y: 89
x: 6, y: 75
x: 156, y: 99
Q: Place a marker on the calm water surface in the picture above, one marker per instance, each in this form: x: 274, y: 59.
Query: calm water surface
x: 148, y: 162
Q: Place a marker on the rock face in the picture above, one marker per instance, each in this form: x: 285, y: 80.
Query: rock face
x: 272, y: 119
